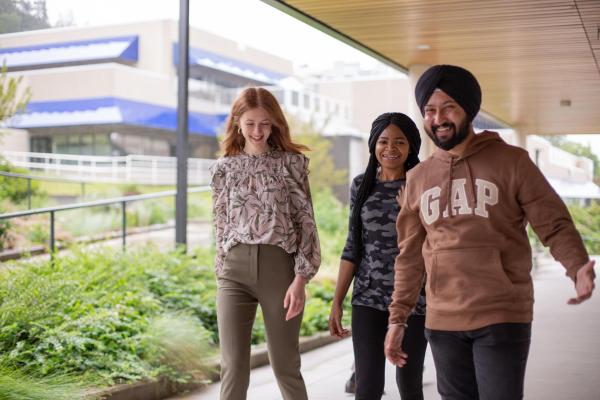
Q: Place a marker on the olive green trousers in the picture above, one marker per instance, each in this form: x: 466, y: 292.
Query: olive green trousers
x: 252, y: 275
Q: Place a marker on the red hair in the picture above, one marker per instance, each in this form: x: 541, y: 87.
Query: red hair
x: 249, y: 99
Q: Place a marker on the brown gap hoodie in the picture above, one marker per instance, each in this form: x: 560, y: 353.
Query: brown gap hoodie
x: 462, y: 227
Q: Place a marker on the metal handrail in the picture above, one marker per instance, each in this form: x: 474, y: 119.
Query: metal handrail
x: 123, y: 200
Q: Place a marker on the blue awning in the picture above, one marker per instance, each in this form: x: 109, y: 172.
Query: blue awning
x: 204, y: 58
x: 111, y: 110
x: 116, y: 49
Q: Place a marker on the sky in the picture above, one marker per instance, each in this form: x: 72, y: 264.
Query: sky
x: 249, y: 22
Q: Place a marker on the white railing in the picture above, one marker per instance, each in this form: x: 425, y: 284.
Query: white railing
x: 139, y: 169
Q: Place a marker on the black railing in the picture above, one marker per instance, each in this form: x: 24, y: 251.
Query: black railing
x: 40, y: 178
x: 122, y: 200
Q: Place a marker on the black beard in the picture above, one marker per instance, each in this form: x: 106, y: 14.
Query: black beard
x: 460, y: 134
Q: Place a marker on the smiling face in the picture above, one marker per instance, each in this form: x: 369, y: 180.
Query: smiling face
x: 256, y: 128
x: 445, y: 121
x: 391, y: 151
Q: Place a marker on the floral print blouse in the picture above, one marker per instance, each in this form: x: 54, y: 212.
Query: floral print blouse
x: 265, y: 199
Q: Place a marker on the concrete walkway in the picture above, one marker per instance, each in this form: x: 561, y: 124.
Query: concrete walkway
x: 564, y: 361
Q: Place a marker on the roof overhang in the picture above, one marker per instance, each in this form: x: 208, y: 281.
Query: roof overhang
x: 204, y: 59
x: 538, y: 62
x: 111, y: 111
x: 123, y: 49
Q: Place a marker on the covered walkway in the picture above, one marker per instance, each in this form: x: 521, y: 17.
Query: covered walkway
x: 564, y: 362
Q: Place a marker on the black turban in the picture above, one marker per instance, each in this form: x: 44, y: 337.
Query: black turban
x: 456, y: 82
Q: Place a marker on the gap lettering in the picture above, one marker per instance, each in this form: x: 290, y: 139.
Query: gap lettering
x: 487, y: 195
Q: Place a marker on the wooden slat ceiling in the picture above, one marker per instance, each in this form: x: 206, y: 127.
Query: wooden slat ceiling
x: 527, y: 55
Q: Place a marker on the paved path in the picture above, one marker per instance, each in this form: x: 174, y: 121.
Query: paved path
x: 564, y: 362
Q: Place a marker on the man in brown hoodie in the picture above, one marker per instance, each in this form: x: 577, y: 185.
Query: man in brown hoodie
x: 462, y: 227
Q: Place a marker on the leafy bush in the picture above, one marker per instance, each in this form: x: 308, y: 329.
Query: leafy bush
x: 4, y: 232
x: 15, y: 189
x: 200, y: 206
x: 92, y: 313
x: 332, y: 223
x: 38, y: 233
x: 109, y: 317
x: 587, y: 221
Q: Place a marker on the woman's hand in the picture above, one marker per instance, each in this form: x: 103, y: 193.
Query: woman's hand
x: 295, y: 298
x: 335, y: 322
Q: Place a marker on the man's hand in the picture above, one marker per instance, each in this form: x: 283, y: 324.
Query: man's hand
x: 295, y: 298
x: 584, y: 283
x: 393, y: 345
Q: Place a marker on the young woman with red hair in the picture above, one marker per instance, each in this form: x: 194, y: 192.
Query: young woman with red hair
x: 267, y: 243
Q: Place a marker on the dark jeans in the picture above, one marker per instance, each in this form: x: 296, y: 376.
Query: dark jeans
x: 482, y: 364
x: 369, y: 327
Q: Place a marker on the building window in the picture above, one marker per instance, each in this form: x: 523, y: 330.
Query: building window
x: 306, y: 101
x: 102, y: 144
x: 87, y: 144
x: 40, y: 145
x: 73, y: 144
x: 60, y: 144
x: 317, y: 104
x: 295, y: 98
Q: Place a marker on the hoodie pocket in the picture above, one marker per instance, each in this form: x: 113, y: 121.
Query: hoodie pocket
x: 468, y: 279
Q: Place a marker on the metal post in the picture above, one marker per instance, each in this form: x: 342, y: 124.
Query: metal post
x: 82, y: 189
x: 123, y: 224
x: 182, y: 126
x: 29, y: 193
x: 52, y: 241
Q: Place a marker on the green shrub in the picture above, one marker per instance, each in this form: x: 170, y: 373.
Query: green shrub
x: 108, y: 317
x: 15, y: 189
x: 38, y: 233
x: 4, y: 230
x: 332, y: 223
x: 587, y: 221
x: 90, y: 313
x: 200, y: 206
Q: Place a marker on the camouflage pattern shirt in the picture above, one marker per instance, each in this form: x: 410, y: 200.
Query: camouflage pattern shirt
x: 374, y: 276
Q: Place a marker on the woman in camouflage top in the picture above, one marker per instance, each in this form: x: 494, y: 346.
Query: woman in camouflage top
x: 368, y: 258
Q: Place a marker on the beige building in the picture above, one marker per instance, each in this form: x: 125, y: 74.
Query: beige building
x: 112, y: 90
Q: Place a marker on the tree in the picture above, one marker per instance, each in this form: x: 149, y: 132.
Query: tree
x: 23, y: 15
x: 323, y: 173
x: 11, y: 99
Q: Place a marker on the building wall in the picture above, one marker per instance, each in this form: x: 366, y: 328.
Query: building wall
x: 559, y: 164
x: 14, y: 140
x: 155, y: 44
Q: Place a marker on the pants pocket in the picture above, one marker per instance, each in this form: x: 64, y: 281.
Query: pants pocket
x: 236, y: 263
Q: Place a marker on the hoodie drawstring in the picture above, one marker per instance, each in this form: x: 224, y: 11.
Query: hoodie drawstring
x: 471, y: 184
x: 449, y: 190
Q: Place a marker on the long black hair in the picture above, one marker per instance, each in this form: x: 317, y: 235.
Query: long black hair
x: 408, y: 127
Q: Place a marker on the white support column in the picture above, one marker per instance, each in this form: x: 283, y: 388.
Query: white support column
x: 414, y: 73
x: 521, y: 139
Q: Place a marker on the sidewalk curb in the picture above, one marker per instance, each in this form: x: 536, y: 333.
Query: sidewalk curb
x: 161, y: 389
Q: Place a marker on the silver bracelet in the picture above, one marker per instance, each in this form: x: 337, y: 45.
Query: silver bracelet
x: 405, y: 325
